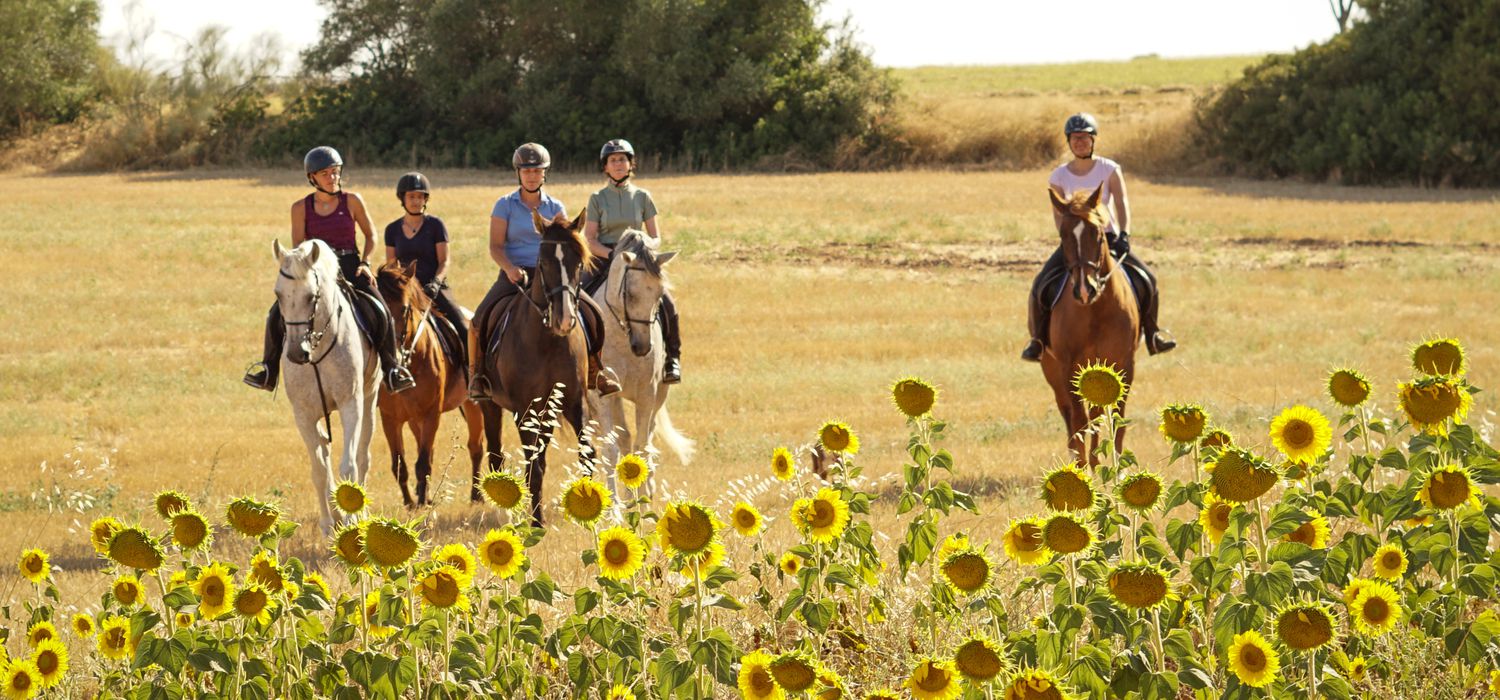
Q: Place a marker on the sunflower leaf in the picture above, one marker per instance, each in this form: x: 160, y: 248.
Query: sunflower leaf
x: 1271, y: 587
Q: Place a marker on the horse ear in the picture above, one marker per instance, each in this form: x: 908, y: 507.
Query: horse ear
x: 666, y: 257
x: 1094, y: 198
x: 578, y: 220
x: 536, y: 220
x: 313, y: 259
x: 1057, y: 203
x: 410, y: 269
x: 278, y: 250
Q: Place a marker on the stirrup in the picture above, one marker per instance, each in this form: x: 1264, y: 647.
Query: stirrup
x: 479, y: 387
x: 605, y: 382
x: 258, y: 375
x: 1033, y: 351
x: 671, y: 371
x: 399, y: 380
x: 1160, y: 342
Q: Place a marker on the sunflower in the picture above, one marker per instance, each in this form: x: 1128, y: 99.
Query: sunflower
x: 1494, y: 680
x: 83, y: 625
x: 979, y: 659
x: 127, y: 590
x: 504, y: 490
x: 835, y: 436
x: 1448, y: 487
x: 250, y: 517
x: 502, y: 552
x: 1024, y: 543
x: 35, y: 565
x: 952, y: 543
x: 184, y: 619
x: 1313, y: 533
x: 252, y: 603
x: 40, y: 632
x: 22, y: 680
x: 790, y: 564
x: 1214, y: 517
x: 1140, y: 491
x: 747, y: 520
x: 1139, y: 585
x: 1034, y: 684
x: 783, y: 466
x: 215, y: 589
x: 1429, y: 403
x: 390, y: 544
x: 1351, y: 592
x: 794, y: 672
x: 826, y: 516
x: 169, y: 502
x: 1183, y: 423
x: 459, y: 557
x: 316, y: 582
x: 632, y: 471
x: 967, y: 571
x: 1100, y: 385
x: 1066, y: 533
x: 621, y: 553
x: 798, y: 513
x: 934, y: 679
x: 443, y: 588
x: 1440, y: 356
x: 1067, y: 488
x: 1253, y: 660
x: 1348, y: 387
x: 830, y: 685
x: 1421, y: 520
x: 883, y: 694
x: 178, y: 578
x: 1389, y: 561
x: 100, y: 532
x: 686, y: 528
x: 191, y: 531
x: 114, y: 640
x: 350, y: 498
x: 1216, y: 438
x: 585, y: 500
x: 1376, y: 609
x: 372, y: 615
x: 135, y: 548
x: 620, y: 692
x: 913, y: 397
x: 1301, y: 433
x: 1356, y: 667
x: 1239, y: 476
x: 51, y: 661
x: 755, y: 680
x: 1305, y: 626
x: 266, y: 571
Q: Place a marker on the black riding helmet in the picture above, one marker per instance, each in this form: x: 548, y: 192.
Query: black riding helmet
x: 320, y: 158
x: 614, y: 146
x: 412, y: 182
x: 530, y: 156
x: 1082, y: 121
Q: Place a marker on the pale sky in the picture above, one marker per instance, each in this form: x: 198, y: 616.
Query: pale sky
x: 900, y: 34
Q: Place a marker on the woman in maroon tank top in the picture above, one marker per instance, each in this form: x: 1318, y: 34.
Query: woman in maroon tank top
x: 332, y: 215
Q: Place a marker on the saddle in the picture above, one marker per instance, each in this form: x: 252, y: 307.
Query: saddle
x: 369, y: 313
x: 492, y: 326
x: 1141, y: 285
x: 449, y: 340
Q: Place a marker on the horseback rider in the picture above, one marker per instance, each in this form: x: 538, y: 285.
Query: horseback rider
x: 331, y: 215
x: 422, y: 238
x: 514, y: 246
x: 1088, y: 172
x: 618, y: 206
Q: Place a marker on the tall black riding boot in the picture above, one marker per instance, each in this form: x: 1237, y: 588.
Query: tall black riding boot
x: 263, y: 374
x: 1148, y: 298
x: 671, y: 335
x: 1039, y: 305
x: 397, y: 377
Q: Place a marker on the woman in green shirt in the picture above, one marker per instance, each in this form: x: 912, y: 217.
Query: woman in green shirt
x: 620, y: 205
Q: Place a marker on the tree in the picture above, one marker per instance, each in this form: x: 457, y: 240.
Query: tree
x: 1341, y: 10
x: 52, y: 51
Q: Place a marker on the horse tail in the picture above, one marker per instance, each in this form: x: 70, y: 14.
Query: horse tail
x: 680, y: 445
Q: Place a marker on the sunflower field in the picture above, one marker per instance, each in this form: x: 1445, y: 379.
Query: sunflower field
x: 1325, y: 559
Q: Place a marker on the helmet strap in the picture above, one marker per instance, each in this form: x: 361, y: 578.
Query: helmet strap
x: 339, y: 187
x: 620, y: 181
x: 420, y: 212
x: 538, y: 187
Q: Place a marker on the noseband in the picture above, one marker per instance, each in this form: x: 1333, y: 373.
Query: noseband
x: 624, y: 318
x: 545, y: 308
x: 312, y: 336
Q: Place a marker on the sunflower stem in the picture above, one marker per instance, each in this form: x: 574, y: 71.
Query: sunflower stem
x: 416, y: 649
x: 364, y: 616
x: 165, y: 612
x: 1161, y: 656
x: 1260, y: 531
x: 1312, y: 675
x: 698, y: 615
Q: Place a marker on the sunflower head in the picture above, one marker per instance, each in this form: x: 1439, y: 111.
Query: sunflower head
x: 1348, y: 387
x: 755, y: 680
x: 1034, y: 684
x: 504, y: 490
x: 191, y: 531
x: 794, y: 672
x: 35, y: 566
x: 253, y: 603
x: 621, y: 553
x: 747, y: 520
x: 1301, y: 433
x: 632, y: 471
x: 215, y: 589
x: 1240, y: 476
x: 1305, y: 626
x: 51, y: 661
x: 457, y: 556
x: 934, y: 679
x: 1100, y: 385
x: 1141, y: 491
x: 967, y: 571
x: 135, y: 548
x: 83, y: 625
x: 1252, y: 659
x: 1024, y: 543
x: 1429, y: 403
x: 444, y: 587
x: 127, y: 589
x: 114, y: 640
x: 1066, y: 533
x: 22, y: 679
x: 316, y: 582
x: 1214, y: 517
x: 1067, y: 488
x: 372, y: 614
x: 979, y: 659
x: 250, y: 517
x: 1139, y: 585
x: 349, y: 545
x: 1389, y: 561
x: 687, y: 528
x: 1313, y: 533
x: 825, y: 516
x: 1376, y: 609
x: 390, y: 544
x: 913, y: 397
x: 1440, y: 356
x: 835, y: 436
x: 789, y: 564
x: 350, y: 498
x: 40, y: 632
x: 783, y: 466
x: 1216, y: 439
x: 502, y: 552
x: 100, y: 532
x: 1183, y: 423
x: 1295, y: 470
x: 169, y: 502
x: 266, y: 571
x: 1448, y: 487
x: 585, y: 500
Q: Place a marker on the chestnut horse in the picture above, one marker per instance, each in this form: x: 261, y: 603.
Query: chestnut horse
x: 441, y: 385
x: 537, y: 355
x: 1097, y: 321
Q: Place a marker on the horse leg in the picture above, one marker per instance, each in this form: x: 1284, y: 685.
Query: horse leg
x: 574, y: 415
x: 491, y: 415
x: 365, y: 432
x: 474, y: 419
x: 426, y: 430
x: 645, y: 432
x: 322, y: 475
x: 392, y: 429
x: 611, y: 414
x: 534, y: 448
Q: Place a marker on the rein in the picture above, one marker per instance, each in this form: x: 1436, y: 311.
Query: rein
x: 312, y: 337
x: 545, y: 309
x: 626, y: 320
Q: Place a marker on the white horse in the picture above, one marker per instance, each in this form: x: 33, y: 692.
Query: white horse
x: 633, y: 348
x: 327, y: 365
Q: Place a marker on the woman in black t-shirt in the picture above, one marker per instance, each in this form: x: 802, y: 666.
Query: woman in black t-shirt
x: 418, y: 236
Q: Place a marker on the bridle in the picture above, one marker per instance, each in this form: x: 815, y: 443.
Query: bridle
x: 625, y: 320
x: 312, y: 336
x: 545, y: 307
x: 1093, y: 267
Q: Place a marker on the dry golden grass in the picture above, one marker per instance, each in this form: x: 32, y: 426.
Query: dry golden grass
x: 134, y: 302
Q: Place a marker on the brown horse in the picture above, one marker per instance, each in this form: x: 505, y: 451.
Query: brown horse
x: 1097, y: 321
x: 537, y: 355
x: 441, y: 385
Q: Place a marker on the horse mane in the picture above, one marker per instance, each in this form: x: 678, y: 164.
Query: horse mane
x: 634, y: 241
x: 393, y: 280
x: 296, y: 261
x: 561, y: 233
x: 1078, y: 206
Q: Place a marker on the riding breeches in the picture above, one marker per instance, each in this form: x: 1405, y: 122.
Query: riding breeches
x: 448, y: 307
x: 1047, y: 288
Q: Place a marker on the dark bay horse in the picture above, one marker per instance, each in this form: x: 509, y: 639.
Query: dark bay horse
x: 1096, y: 319
x: 441, y: 385
x: 537, y: 355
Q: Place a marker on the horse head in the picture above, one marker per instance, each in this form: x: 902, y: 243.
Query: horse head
x: 559, y: 269
x: 402, y: 295
x: 305, y: 293
x: 637, y: 283
x: 1081, y: 230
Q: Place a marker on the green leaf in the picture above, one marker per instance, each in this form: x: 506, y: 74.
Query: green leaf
x: 718, y: 653
x: 584, y: 600
x: 1272, y: 587
x: 540, y: 589
x: 819, y: 614
x: 1183, y: 537
x: 1478, y: 580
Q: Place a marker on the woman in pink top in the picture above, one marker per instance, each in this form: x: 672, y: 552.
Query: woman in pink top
x: 331, y: 215
x: 1089, y: 172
